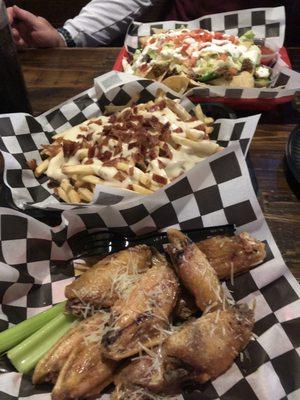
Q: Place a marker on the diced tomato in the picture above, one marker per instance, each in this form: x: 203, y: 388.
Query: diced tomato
x: 184, y: 47
x: 152, y: 40
x: 143, y: 67
x: 267, y: 55
x: 219, y: 35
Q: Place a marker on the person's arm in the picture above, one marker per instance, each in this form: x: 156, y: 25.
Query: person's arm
x: 102, y: 21
x: 98, y: 24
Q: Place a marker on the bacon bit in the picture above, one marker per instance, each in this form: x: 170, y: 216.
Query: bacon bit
x: 132, y: 145
x: 130, y: 187
x: 161, y: 164
x: 105, y: 141
x: 91, y: 152
x: 153, y: 154
x: 177, y: 146
x: 159, y: 179
x: 131, y: 171
x: 89, y: 161
x: 32, y: 164
x: 119, y: 176
x: 105, y: 156
x: 117, y: 149
x: 97, y: 122
x: 178, y: 130
x: 125, y: 115
x: 165, y: 152
x: 69, y: 147
x: 84, y: 128
x: 87, y: 137
x: 53, y: 184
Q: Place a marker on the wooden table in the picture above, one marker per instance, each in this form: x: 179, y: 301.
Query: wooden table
x: 53, y: 76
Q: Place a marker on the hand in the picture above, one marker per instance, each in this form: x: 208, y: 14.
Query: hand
x: 28, y: 30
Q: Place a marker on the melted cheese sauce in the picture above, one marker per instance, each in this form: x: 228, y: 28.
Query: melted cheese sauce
x: 183, y: 158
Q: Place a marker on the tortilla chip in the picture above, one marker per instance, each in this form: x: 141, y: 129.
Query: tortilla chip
x: 178, y: 83
x: 219, y: 82
x: 143, y: 40
x: 158, y: 30
x: 244, y: 79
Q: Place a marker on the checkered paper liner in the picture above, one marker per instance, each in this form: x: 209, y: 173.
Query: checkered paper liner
x: 267, y: 24
x: 34, y: 273
x: 22, y: 136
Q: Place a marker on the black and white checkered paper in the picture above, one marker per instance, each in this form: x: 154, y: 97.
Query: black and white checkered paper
x: 34, y: 273
x: 22, y: 135
x: 267, y: 24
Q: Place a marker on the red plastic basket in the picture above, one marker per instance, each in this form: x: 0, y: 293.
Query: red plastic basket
x: 242, y: 104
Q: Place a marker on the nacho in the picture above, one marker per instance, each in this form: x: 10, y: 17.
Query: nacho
x: 184, y: 58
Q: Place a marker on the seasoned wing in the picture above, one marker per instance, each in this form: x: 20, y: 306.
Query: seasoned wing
x: 210, y: 344
x: 85, y: 373
x: 195, y: 272
x: 138, y: 319
x: 105, y: 282
x: 50, y: 365
x: 185, y: 307
x: 148, y: 372
x: 200, y: 350
x: 232, y: 254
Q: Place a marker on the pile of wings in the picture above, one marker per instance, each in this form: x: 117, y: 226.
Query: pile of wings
x: 150, y: 326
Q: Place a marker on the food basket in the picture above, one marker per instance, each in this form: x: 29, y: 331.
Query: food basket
x: 268, y: 26
x: 23, y: 135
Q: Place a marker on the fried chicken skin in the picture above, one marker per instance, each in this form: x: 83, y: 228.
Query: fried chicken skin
x: 210, y: 344
x: 50, y: 365
x: 195, y: 272
x: 85, y: 373
x: 232, y: 254
x: 102, y: 285
x: 138, y: 319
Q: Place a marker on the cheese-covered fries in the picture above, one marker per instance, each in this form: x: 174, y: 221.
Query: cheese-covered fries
x: 141, y: 148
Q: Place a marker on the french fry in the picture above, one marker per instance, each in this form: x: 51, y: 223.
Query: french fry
x: 123, y: 167
x: 78, y: 169
x: 74, y: 196
x: 94, y: 180
x: 119, y: 166
x: 204, y: 147
x: 62, y: 194
x: 208, y: 120
x: 194, y: 134
x: 41, y: 168
x: 140, y: 189
x: 81, y: 154
x: 85, y: 194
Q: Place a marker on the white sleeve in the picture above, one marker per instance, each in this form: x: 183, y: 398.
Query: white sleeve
x: 102, y: 21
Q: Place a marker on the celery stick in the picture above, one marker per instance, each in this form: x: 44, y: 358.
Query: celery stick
x: 25, y: 355
x: 14, y: 335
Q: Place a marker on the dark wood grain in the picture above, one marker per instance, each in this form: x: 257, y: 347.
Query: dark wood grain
x: 52, y: 76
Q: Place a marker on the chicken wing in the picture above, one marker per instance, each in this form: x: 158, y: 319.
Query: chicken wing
x: 138, y: 319
x: 210, y: 344
x: 230, y: 255
x: 200, y: 350
x: 195, y: 272
x: 106, y: 281
x: 50, y: 365
x: 85, y: 373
